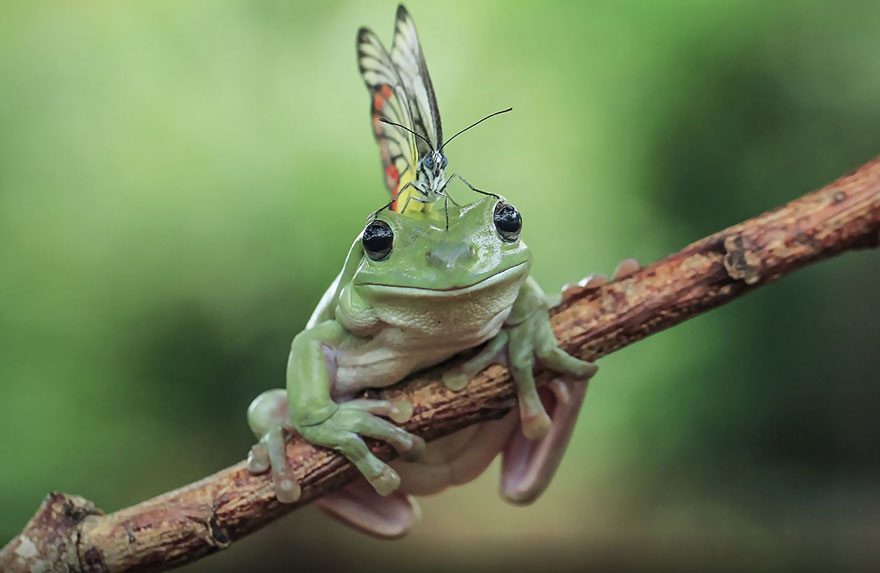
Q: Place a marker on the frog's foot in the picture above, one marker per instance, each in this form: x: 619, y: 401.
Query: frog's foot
x: 267, y: 417
x: 528, y: 465
x: 458, y: 458
x: 342, y: 431
x: 359, y: 506
x: 451, y: 460
x: 624, y: 269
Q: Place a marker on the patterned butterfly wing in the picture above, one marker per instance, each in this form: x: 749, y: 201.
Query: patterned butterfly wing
x: 397, y: 148
x: 406, y: 52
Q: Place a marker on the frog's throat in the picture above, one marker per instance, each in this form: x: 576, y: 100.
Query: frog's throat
x: 499, y: 277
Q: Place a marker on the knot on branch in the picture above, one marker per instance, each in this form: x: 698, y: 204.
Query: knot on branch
x: 741, y: 264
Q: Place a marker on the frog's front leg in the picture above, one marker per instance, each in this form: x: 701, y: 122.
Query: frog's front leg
x: 322, y: 421
x: 317, y: 418
x: 533, y: 451
x: 531, y: 338
x: 528, y: 337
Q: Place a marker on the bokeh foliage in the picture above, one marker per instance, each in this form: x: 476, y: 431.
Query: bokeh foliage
x: 180, y: 181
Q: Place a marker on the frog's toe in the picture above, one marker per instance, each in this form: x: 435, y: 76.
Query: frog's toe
x: 528, y: 465
x: 258, y: 459
x: 591, y: 282
x: 625, y: 268
x: 400, y: 409
x: 560, y: 361
x: 455, y: 381
x: 535, y: 425
x: 361, y: 507
x: 287, y: 490
x: 407, y: 445
x: 384, y: 481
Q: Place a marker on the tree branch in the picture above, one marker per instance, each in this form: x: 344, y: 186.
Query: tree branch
x: 70, y: 533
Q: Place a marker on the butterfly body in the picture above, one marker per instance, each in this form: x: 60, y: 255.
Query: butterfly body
x: 405, y: 117
x: 429, y: 184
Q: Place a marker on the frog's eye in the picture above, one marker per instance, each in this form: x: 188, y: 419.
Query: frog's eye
x: 428, y: 162
x: 377, y: 240
x: 507, y: 221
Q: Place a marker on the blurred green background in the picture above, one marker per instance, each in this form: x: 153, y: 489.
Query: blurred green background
x: 180, y: 181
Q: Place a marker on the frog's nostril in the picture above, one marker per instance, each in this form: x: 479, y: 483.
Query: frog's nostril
x: 448, y: 255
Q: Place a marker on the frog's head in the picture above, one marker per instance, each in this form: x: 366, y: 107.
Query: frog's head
x: 417, y: 256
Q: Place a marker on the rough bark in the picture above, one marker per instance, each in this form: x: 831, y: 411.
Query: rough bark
x: 68, y: 533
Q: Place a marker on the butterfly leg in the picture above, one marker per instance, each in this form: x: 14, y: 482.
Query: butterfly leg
x: 448, y: 181
x: 379, y: 210
x: 412, y: 198
x: 444, y: 192
x: 466, y: 182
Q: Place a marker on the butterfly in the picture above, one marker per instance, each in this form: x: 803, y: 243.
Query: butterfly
x: 405, y: 118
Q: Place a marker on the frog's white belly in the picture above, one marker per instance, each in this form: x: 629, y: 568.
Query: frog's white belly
x: 399, y: 349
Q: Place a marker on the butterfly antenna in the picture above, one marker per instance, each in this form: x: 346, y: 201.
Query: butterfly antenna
x: 419, y: 135
x: 476, y: 123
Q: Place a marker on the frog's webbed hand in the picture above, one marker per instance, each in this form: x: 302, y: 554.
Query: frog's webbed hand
x: 307, y: 407
x: 342, y: 431
x: 322, y: 421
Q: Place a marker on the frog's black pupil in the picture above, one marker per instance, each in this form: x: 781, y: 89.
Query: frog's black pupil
x: 508, y: 221
x: 377, y: 240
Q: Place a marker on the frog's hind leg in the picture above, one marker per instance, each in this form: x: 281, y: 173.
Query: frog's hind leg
x: 267, y: 417
x: 528, y: 465
x: 360, y: 507
x: 458, y: 458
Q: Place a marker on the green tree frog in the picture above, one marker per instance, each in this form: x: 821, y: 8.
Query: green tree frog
x: 412, y: 293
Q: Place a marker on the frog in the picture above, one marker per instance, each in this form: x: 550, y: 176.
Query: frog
x: 415, y: 290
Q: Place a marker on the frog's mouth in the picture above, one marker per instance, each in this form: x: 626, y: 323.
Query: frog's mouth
x: 491, y: 280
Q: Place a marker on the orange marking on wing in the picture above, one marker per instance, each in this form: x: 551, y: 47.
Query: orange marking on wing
x: 392, y: 172
x: 379, y: 101
x: 377, y: 125
x: 386, y: 91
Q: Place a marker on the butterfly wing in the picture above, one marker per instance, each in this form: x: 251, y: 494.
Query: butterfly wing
x: 388, y: 100
x: 406, y: 53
